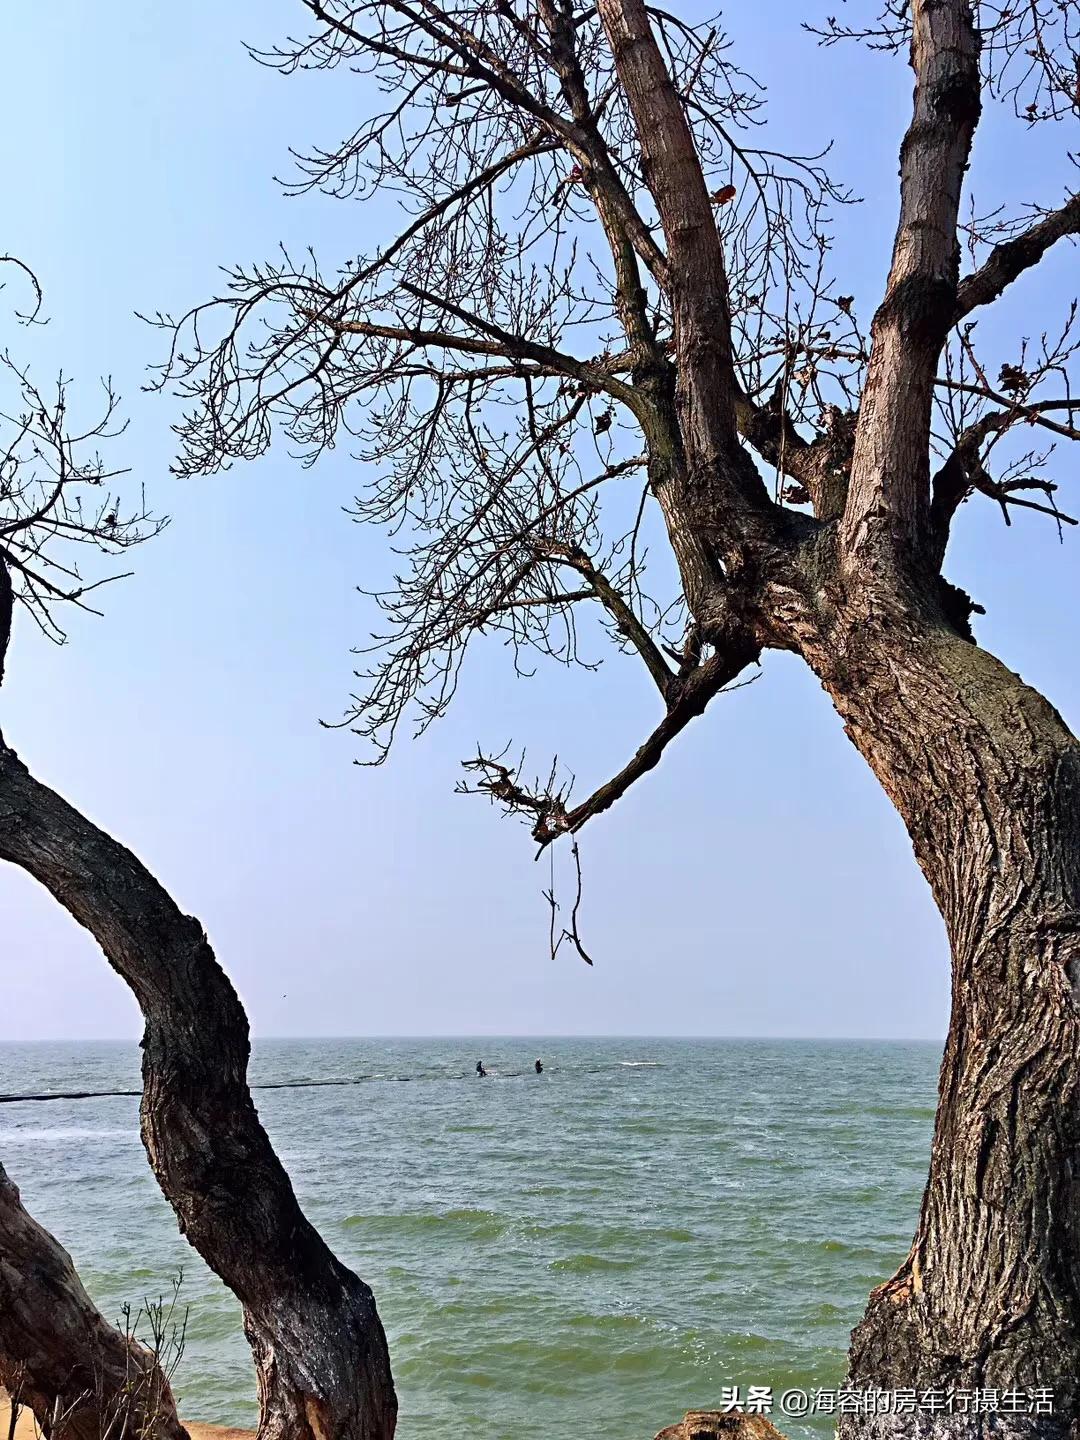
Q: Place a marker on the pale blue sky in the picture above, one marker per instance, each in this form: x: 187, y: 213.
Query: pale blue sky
x: 757, y: 884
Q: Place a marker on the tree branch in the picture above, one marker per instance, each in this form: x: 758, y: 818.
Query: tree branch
x: 953, y: 482
x: 888, y: 502
x: 1007, y: 261
x: 630, y: 298
x: 687, y: 696
x: 697, y: 690
x: 718, y: 467
x: 965, y: 472
x: 626, y: 622
x: 506, y: 347
x: 545, y: 356
x: 1031, y: 412
x: 819, y: 467
x: 7, y: 605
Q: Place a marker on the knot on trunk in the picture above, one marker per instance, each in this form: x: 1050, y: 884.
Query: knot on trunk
x: 714, y: 1425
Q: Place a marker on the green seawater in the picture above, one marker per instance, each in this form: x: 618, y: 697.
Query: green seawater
x: 593, y: 1250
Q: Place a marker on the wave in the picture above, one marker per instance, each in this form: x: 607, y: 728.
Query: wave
x: 475, y: 1224
x: 901, y: 1112
x: 585, y: 1264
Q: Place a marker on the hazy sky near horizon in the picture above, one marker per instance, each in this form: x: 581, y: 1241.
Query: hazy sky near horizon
x: 758, y: 883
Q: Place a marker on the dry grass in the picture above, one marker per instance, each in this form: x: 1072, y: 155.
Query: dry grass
x: 26, y: 1430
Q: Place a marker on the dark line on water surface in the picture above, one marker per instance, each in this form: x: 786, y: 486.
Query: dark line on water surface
x: 305, y: 1084
x: 110, y: 1094
x: 67, y: 1095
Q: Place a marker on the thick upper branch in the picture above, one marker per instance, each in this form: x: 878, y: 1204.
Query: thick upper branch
x: 631, y: 301
x: 697, y: 281
x: 1011, y: 258
x: 888, y: 498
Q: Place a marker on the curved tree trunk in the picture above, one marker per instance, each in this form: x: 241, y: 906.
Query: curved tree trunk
x: 986, y: 776
x: 318, y: 1344
x: 81, y: 1378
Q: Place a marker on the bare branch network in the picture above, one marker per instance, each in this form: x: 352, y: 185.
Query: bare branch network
x: 58, y: 498
x: 605, y: 368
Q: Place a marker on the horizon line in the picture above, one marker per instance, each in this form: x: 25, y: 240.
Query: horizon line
x: 508, y: 1035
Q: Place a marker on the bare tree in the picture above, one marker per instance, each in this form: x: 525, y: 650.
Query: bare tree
x: 607, y: 328
x: 318, y: 1344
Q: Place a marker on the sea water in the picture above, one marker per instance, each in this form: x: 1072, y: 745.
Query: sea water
x: 593, y: 1250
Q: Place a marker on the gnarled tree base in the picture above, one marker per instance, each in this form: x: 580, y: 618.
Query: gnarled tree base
x: 59, y: 1356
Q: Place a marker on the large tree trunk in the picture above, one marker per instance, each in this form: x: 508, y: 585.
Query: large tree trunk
x: 986, y: 776
x: 59, y: 1356
x: 319, y: 1347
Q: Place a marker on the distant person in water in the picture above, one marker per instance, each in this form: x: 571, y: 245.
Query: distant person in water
x: 539, y: 1068
x: 480, y: 1068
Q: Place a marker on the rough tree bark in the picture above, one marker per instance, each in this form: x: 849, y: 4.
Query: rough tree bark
x: 81, y: 1378
x: 987, y: 778
x: 318, y: 1344
x: 319, y: 1348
